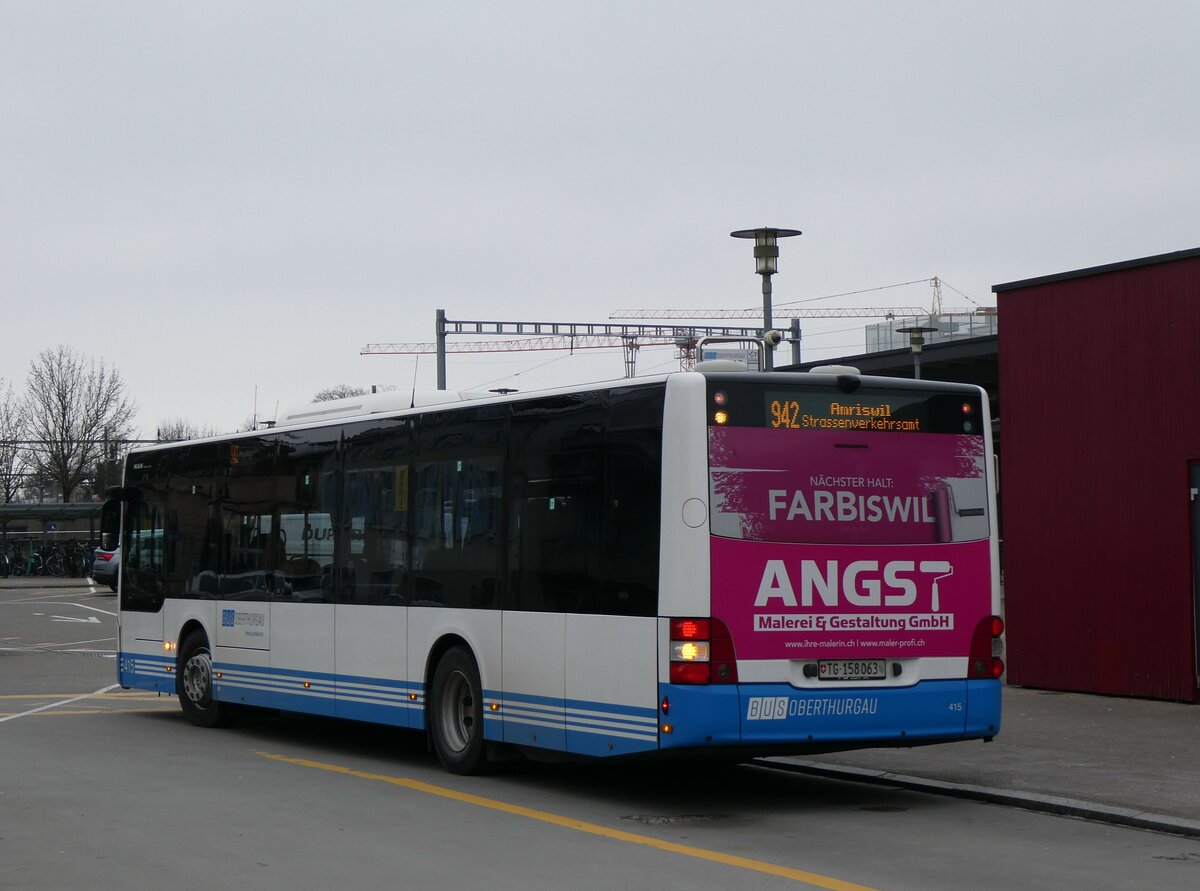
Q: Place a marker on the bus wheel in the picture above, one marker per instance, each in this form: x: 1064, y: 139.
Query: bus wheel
x: 194, y: 684
x: 456, y: 713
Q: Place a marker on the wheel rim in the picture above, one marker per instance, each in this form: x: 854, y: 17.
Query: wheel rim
x: 197, y: 679
x: 457, y: 716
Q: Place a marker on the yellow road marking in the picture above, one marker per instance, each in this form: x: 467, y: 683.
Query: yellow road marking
x: 115, y: 699
x: 59, y: 704
x: 67, y: 695
x: 798, y: 875
x: 52, y: 713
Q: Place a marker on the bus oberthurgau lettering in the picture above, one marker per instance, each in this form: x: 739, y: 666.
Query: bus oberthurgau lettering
x: 775, y: 708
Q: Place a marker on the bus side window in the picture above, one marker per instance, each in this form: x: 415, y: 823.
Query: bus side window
x: 633, y: 480
x: 143, y: 585
x: 556, y: 475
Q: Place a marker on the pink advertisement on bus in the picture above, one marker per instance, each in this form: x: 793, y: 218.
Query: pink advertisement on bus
x: 848, y: 544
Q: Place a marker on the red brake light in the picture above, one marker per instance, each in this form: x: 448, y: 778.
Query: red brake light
x: 690, y: 629
x: 983, y: 663
x: 702, y: 652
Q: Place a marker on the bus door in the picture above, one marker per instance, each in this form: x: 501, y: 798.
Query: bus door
x: 141, y: 658
x: 291, y: 548
x: 369, y: 553
x: 243, y: 626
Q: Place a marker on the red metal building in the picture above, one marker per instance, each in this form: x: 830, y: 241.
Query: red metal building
x: 1100, y: 376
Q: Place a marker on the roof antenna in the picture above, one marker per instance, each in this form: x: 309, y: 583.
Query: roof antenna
x: 416, y: 365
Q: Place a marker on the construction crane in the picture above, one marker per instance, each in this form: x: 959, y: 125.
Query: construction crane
x: 559, y: 336
x: 888, y: 312
x: 570, y: 342
x: 857, y: 312
x: 849, y: 312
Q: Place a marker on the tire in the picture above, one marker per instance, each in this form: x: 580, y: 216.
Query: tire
x: 456, y: 713
x: 115, y: 578
x: 193, y: 684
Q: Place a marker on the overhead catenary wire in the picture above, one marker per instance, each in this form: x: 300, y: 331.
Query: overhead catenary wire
x: 960, y: 293
x: 918, y: 281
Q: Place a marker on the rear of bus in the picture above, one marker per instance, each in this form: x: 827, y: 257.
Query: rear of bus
x: 852, y: 565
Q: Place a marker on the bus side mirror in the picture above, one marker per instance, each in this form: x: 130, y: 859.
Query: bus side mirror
x: 110, y: 525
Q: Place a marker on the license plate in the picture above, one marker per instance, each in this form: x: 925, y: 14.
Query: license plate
x: 851, y: 669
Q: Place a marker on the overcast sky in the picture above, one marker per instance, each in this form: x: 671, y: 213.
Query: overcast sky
x: 227, y: 201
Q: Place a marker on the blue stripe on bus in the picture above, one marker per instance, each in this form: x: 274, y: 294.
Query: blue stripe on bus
x: 717, y: 715
x: 779, y: 714
x: 141, y: 672
x: 573, y: 725
x: 983, y: 708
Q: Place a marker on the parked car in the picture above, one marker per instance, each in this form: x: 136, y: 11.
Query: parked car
x: 106, y: 566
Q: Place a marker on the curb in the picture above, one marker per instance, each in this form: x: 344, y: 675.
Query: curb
x: 1046, y: 804
x: 47, y: 582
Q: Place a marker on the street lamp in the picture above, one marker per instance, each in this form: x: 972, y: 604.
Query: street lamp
x: 916, y: 343
x: 766, y: 264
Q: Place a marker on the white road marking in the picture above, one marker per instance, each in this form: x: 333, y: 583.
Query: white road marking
x: 34, y: 711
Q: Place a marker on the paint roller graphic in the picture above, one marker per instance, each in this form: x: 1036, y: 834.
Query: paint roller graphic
x: 941, y: 569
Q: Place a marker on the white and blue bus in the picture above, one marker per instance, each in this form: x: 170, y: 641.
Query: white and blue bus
x: 704, y: 562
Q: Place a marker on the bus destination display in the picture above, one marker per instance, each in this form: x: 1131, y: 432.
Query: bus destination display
x: 811, y: 411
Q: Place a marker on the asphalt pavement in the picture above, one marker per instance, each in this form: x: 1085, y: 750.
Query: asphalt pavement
x: 1132, y: 762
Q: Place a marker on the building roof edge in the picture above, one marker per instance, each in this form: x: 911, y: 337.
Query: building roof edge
x: 1097, y: 270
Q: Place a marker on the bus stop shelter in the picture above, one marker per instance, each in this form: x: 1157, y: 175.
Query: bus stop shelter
x: 46, y: 521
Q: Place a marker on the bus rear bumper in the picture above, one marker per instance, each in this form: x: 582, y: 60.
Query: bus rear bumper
x: 771, y: 717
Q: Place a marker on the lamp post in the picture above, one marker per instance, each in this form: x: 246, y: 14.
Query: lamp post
x: 916, y: 343
x: 766, y: 264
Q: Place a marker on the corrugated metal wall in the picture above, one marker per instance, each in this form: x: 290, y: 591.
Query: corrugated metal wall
x: 1100, y: 388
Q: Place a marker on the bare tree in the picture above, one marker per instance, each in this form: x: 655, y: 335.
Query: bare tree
x: 176, y: 429
x: 12, y: 436
x: 340, y: 391
x: 77, y: 414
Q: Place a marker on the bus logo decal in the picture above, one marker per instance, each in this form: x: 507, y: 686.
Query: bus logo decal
x: 767, y: 708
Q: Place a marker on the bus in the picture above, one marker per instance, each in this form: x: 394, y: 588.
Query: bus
x: 700, y: 563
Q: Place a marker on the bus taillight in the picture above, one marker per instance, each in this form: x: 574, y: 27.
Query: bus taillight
x: 690, y: 629
x: 702, y: 652
x: 987, y: 649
